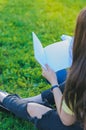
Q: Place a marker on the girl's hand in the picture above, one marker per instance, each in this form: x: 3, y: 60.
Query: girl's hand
x: 50, y: 75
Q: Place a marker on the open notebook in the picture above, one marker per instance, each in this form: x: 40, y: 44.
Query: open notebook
x: 57, y: 55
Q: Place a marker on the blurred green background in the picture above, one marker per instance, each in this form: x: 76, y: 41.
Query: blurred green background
x: 19, y: 71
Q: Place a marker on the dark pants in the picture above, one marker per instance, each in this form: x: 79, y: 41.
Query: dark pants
x: 50, y: 120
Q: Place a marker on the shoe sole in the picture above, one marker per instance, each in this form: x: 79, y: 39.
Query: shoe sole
x: 2, y: 108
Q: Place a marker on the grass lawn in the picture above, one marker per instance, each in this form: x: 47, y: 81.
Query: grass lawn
x: 19, y: 71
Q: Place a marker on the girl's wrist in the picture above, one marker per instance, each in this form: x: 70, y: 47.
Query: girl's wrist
x: 54, y: 83
x: 54, y: 86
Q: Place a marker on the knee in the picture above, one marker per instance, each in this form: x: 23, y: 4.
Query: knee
x: 33, y: 110
x: 30, y: 109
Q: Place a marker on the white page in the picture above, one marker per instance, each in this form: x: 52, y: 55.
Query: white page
x: 66, y: 37
x: 38, y: 50
x: 59, y: 55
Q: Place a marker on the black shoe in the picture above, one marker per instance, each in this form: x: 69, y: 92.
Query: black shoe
x: 2, y: 108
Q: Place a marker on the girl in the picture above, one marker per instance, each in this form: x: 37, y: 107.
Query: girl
x: 70, y: 105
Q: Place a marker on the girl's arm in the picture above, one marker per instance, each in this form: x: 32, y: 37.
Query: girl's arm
x: 50, y: 75
x: 66, y: 118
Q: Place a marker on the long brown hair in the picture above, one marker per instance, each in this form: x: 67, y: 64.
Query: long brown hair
x: 75, y: 90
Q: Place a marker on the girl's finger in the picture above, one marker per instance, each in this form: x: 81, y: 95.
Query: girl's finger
x: 47, y: 66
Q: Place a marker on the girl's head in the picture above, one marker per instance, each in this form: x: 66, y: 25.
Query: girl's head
x: 75, y: 90
x: 79, y: 48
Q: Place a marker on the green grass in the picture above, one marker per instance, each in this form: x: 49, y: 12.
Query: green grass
x: 19, y: 71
